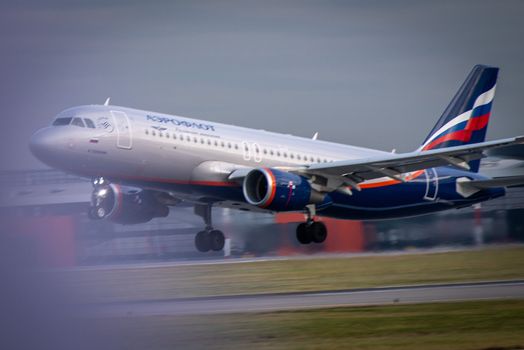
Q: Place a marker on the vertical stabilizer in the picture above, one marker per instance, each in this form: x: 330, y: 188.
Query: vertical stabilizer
x: 466, y: 118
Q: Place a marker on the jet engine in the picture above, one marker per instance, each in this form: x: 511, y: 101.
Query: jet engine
x: 125, y: 205
x: 279, y: 190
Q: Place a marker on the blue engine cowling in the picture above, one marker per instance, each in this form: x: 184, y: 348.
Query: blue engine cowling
x: 278, y: 190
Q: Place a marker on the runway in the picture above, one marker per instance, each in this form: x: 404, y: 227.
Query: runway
x: 225, y: 261
x: 298, y: 301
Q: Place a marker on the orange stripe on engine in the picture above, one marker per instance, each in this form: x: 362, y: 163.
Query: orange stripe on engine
x: 273, y: 189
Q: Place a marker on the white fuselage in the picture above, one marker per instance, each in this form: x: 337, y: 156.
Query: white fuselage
x: 133, y: 143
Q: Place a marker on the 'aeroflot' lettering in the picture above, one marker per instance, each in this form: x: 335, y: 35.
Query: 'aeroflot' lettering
x: 176, y: 122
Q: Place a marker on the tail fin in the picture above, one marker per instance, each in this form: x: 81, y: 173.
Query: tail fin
x: 466, y: 118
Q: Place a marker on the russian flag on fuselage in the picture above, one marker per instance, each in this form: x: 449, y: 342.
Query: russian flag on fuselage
x: 466, y: 118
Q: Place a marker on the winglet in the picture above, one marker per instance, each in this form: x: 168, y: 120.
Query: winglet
x: 315, y: 136
x: 107, y: 101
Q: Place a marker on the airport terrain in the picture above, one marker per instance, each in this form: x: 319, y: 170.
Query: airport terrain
x: 349, y: 302
x: 163, y: 282
x: 460, y: 325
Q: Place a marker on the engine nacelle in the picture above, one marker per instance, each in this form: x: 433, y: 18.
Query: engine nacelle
x: 125, y: 205
x: 279, y: 190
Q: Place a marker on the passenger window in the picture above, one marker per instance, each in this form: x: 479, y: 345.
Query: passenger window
x: 78, y: 122
x: 62, y: 121
x: 147, y: 132
x: 89, y: 123
x: 153, y: 133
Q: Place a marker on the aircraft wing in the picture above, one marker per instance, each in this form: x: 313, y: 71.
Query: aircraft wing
x: 352, y: 172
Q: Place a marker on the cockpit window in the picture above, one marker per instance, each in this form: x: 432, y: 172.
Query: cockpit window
x: 78, y: 122
x: 62, y: 121
x: 89, y: 123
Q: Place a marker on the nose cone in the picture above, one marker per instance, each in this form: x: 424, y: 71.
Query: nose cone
x: 45, y: 144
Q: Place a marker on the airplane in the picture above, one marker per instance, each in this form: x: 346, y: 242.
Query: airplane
x: 141, y: 163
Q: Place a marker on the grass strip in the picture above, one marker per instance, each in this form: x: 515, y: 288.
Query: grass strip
x: 459, y: 325
x: 297, y: 275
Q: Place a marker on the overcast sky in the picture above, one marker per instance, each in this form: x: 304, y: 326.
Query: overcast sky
x: 376, y: 74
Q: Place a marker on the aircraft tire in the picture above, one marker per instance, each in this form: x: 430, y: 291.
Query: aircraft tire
x: 203, y: 241
x: 303, y: 234
x: 318, y: 232
x: 91, y: 214
x: 216, y: 240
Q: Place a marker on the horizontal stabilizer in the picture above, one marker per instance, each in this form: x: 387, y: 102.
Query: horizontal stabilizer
x: 508, y: 181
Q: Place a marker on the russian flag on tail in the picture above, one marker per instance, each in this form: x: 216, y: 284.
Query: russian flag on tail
x: 466, y: 118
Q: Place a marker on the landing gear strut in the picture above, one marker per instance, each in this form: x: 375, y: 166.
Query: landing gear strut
x: 209, y: 238
x: 311, y: 231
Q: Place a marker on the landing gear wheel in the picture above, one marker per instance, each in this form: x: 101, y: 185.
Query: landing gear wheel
x: 304, y: 233
x: 216, y: 239
x: 318, y: 232
x: 203, y: 241
x: 209, y: 239
x: 100, y: 213
x: 91, y: 214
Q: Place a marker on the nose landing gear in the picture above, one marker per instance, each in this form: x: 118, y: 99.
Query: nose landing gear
x: 209, y: 238
x: 311, y: 231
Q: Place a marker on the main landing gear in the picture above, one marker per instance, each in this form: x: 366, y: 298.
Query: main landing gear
x: 311, y: 231
x: 209, y: 239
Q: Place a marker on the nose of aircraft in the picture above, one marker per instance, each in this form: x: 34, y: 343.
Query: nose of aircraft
x: 45, y: 145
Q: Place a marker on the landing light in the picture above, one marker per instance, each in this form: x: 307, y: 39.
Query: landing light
x: 99, y: 181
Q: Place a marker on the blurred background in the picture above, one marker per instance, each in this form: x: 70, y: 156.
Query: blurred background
x: 375, y: 74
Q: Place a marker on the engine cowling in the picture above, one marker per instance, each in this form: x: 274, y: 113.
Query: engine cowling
x: 279, y: 190
x: 125, y: 205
